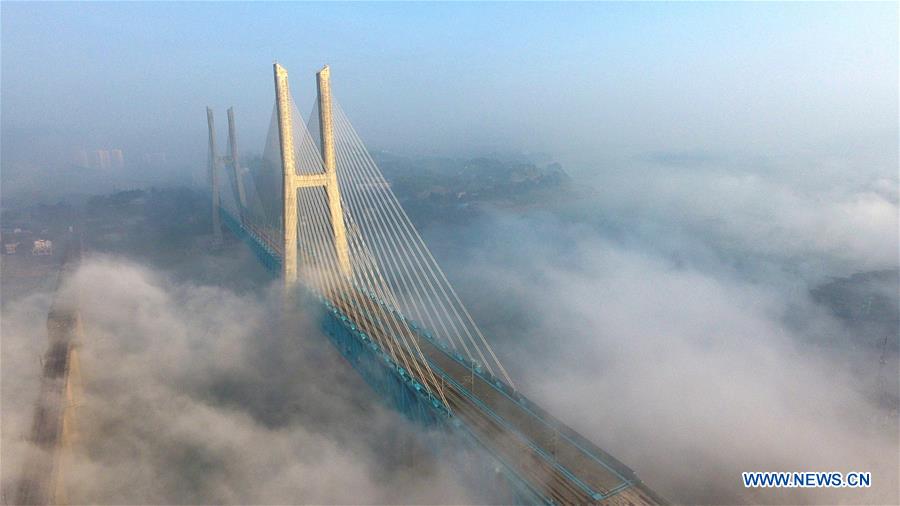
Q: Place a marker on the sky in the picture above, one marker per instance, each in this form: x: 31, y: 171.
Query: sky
x: 588, y: 83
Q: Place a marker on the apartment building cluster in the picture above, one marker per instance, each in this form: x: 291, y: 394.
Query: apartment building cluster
x: 104, y: 159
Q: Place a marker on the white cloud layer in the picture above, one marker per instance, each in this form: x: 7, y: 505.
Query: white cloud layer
x: 197, y: 395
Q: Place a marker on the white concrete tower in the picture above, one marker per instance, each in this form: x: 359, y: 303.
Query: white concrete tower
x: 235, y: 161
x: 292, y: 181
x: 289, y: 177
x: 214, y: 176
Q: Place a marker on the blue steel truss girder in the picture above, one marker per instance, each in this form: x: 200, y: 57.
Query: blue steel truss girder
x: 389, y: 362
x: 428, y: 411
x: 266, y: 256
x: 409, y: 397
x: 626, y: 476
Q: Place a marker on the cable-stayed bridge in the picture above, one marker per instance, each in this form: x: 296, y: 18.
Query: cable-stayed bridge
x: 317, y: 212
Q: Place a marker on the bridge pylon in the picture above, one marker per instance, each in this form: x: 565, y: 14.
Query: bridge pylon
x: 293, y: 182
x: 214, y: 177
x: 235, y: 161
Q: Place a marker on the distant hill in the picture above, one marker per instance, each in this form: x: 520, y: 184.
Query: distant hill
x: 444, y: 188
x: 868, y: 302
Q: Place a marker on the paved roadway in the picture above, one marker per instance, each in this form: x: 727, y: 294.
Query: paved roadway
x: 40, y: 474
x: 554, y: 460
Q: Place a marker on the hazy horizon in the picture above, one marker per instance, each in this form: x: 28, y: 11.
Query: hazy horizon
x: 594, y: 85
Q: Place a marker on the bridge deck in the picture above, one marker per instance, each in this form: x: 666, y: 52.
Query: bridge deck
x: 40, y: 481
x: 556, y: 463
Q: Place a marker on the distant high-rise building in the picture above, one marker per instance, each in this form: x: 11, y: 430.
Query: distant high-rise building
x: 117, y: 161
x: 101, y: 159
x: 42, y: 247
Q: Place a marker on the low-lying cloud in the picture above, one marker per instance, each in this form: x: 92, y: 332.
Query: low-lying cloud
x: 805, y: 215
x: 668, y: 316
x: 675, y: 327
x: 197, y: 395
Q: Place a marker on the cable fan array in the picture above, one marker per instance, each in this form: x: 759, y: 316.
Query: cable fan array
x: 396, y: 292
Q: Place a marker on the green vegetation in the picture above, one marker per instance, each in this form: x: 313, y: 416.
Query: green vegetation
x: 442, y: 189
